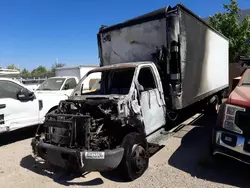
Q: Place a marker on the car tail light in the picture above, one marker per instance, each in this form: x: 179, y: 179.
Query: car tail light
x: 229, y: 118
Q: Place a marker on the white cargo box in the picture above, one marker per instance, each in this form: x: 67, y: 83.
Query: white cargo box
x: 200, y: 70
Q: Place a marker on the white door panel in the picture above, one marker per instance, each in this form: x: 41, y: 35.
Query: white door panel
x: 151, y: 99
x: 19, y: 114
x: 14, y: 113
x: 152, y: 110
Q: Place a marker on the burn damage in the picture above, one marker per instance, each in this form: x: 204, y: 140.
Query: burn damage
x: 93, y: 124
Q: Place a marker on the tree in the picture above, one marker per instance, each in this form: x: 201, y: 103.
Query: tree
x: 13, y: 67
x: 25, y: 73
x: 40, y: 71
x: 237, y: 32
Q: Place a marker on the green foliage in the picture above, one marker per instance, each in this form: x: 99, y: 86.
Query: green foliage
x: 40, y: 71
x: 237, y: 32
x: 13, y: 67
x: 25, y: 73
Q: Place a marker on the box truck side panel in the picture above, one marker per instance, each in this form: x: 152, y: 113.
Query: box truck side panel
x: 74, y: 71
x: 85, y: 70
x: 133, y: 43
x: 204, y: 59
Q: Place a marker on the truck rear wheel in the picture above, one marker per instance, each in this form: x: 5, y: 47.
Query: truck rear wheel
x: 135, y: 159
x: 213, y: 106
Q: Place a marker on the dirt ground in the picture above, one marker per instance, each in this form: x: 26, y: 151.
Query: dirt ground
x: 183, y: 162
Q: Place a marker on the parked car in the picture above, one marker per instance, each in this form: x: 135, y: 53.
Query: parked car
x: 21, y: 107
x: 231, y: 135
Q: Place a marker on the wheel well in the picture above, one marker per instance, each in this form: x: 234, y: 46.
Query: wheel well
x: 129, y: 129
x: 53, y: 108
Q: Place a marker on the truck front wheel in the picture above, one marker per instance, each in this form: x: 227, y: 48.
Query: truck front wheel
x: 135, y: 159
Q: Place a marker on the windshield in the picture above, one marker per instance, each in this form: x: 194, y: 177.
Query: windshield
x: 114, y: 81
x: 52, y: 84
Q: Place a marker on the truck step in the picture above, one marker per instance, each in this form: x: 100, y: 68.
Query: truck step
x: 159, y: 137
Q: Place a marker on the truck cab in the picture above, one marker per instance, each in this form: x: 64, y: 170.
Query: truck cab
x: 118, y: 111
x: 140, y: 94
x: 59, y: 84
x: 231, y: 135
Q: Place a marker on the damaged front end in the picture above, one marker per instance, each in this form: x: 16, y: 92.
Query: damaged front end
x: 84, y: 135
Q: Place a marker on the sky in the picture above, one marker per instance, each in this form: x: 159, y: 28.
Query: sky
x: 36, y: 32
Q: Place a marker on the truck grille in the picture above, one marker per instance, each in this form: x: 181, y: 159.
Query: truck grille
x: 67, y: 130
x: 242, y: 120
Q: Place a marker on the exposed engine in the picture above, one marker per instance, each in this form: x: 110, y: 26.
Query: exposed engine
x: 85, y: 124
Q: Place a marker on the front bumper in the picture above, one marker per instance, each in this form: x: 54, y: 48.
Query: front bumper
x: 231, y: 145
x: 78, y: 159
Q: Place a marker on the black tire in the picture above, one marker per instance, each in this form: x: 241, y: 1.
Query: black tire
x: 136, y: 158
x: 211, y: 149
x: 213, y: 106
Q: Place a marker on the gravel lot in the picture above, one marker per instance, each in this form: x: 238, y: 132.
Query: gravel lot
x: 183, y: 162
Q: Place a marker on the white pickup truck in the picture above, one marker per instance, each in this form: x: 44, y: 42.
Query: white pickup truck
x: 58, y: 85
x: 65, y: 84
x: 21, y: 107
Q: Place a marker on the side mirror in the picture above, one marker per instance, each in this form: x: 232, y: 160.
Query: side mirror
x: 66, y: 86
x: 25, y: 95
x: 235, y: 82
x: 140, y: 87
x: 81, y: 87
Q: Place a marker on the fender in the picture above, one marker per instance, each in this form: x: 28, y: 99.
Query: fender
x: 48, y: 102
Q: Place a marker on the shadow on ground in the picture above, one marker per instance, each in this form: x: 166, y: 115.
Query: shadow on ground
x: 57, y: 174
x: 198, y: 162
x: 17, y: 135
x: 62, y: 177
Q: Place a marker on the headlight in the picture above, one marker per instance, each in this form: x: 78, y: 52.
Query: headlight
x: 229, y: 118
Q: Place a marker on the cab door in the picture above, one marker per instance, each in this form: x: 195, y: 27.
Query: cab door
x: 15, y: 114
x: 151, y: 99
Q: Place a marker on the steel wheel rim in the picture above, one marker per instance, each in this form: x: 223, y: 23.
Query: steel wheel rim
x: 139, y: 158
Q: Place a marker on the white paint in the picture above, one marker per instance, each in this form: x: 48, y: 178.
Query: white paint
x: 215, y: 70
x: 79, y: 71
x: 18, y: 114
x: 50, y: 100
x: 204, y: 59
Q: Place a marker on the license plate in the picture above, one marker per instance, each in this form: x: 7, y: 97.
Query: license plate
x: 94, y: 155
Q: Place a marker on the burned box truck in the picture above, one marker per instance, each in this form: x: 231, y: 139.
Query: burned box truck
x: 151, y: 65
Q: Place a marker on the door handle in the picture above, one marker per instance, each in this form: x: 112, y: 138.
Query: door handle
x: 2, y: 106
